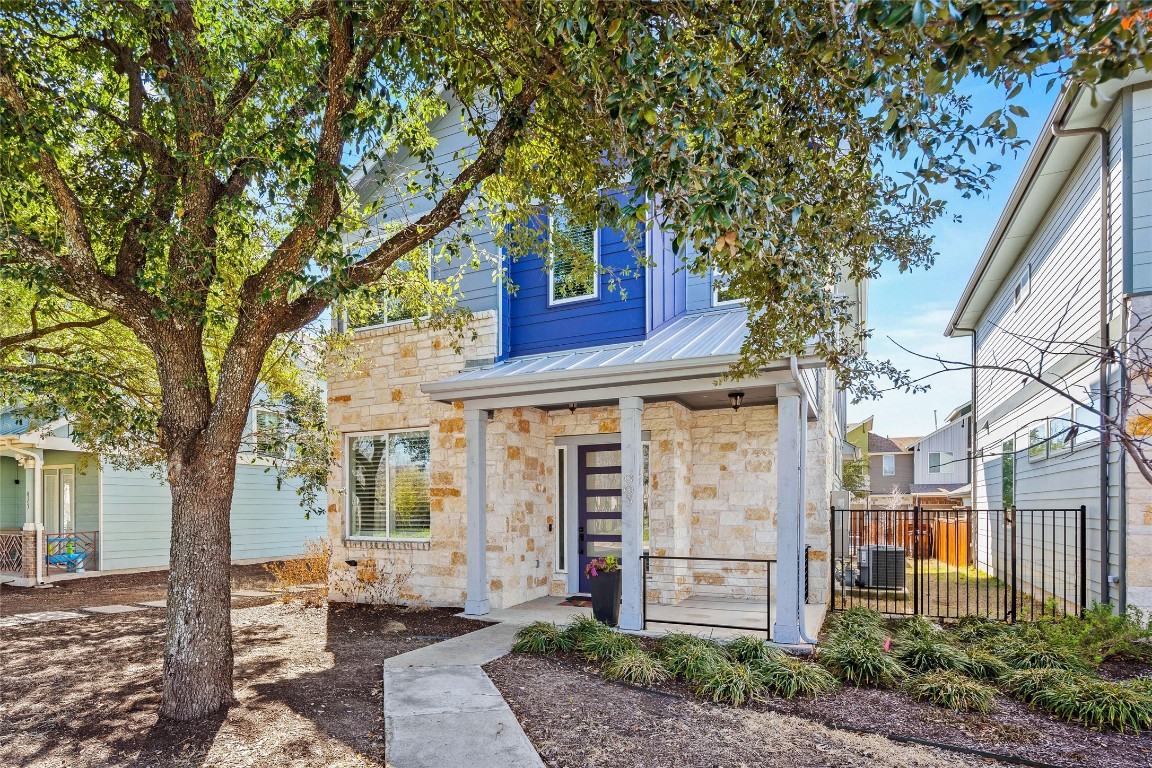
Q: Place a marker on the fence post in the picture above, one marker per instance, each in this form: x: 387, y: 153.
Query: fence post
x: 1010, y: 529
x: 832, y: 565
x: 916, y: 560
x: 1083, y: 559
x: 768, y: 597
x: 644, y: 594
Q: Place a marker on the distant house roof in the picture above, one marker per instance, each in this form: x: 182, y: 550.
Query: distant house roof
x: 928, y: 489
x: 880, y: 444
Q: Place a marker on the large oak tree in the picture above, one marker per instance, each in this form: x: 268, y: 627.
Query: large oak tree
x: 175, y: 186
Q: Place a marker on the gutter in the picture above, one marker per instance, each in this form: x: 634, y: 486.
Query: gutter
x: 1105, y: 342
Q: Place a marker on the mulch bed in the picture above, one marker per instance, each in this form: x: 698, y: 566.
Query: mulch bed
x: 85, y: 693
x: 111, y: 589
x: 1011, y: 729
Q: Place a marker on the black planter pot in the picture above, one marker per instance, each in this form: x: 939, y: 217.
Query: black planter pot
x: 605, y: 589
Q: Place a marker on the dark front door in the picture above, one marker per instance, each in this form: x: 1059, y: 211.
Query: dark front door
x: 598, y: 512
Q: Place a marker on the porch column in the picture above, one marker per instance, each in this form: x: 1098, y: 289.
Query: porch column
x: 789, y: 516
x: 476, y: 504
x: 631, y: 513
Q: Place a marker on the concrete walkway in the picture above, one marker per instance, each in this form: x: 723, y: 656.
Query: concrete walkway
x: 440, y: 709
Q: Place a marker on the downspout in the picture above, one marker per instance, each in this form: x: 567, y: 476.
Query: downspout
x: 1105, y: 347
x: 795, y: 371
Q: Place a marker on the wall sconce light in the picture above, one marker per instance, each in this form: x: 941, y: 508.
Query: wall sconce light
x: 352, y: 563
x: 737, y: 399
x: 571, y: 407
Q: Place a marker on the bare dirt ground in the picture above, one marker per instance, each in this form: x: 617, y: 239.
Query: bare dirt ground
x: 576, y: 719
x: 118, y: 588
x: 573, y: 716
x: 85, y: 693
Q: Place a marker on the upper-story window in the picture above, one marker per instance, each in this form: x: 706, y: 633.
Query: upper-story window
x: 1023, y: 285
x: 722, y: 292
x: 889, y: 465
x: 574, y: 250
x: 269, y: 433
x: 939, y: 462
x: 403, y: 294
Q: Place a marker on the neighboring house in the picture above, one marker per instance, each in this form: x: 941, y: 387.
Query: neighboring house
x: 891, y: 471
x: 940, y: 468
x: 65, y: 512
x: 1068, y: 271
x: 576, y: 423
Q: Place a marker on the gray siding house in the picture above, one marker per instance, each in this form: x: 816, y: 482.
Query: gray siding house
x: 891, y: 470
x: 940, y: 466
x: 1066, y: 274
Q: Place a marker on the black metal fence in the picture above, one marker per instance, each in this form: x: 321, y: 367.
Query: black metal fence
x: 716, y: 592
x: 1008, y: 564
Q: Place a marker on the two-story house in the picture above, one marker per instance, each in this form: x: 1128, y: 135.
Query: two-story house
x: 891, y: 470
x: 585, y: 417
x: 1057, y: 310
x: 940, y: 466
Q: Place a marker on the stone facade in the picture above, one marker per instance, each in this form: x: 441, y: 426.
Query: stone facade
x: 712, y: 483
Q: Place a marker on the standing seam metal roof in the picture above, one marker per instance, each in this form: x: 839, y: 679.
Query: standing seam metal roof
x: 705, y: 335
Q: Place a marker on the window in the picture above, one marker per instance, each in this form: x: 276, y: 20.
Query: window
x: 1038, y: 442
x: 889, y: 465
x: 406, y: 290
x: 388, y: 479
x: 1023, y: 284
x: 1008, y: 473
x: 1062, y: 432
x: 939, y: 462
x: 575, y: 253
x: 269, y: 433
x: 722, y: 293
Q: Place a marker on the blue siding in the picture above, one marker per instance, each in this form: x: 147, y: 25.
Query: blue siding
x: 537, y: 328
x: 667, y: 281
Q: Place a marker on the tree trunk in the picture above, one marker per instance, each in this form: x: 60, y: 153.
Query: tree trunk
x: 198, y: 649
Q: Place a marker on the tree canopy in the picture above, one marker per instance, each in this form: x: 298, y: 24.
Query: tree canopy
x: 177, y: 180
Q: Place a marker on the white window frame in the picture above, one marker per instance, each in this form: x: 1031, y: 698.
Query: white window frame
x: 560, y: 491
x: 1023, y: 286
x: 256, y: 434
x: 940, y: 462
x: 553, y: 302
x: 348, y: 438
x: 1038, y: 450
x: 888, y: 460
x: 388, y: 323
x: 1053, y: 449
x: 716, y: 302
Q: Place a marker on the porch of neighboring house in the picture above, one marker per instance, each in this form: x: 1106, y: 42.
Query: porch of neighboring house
x: 707, y: 506
x: 49, y: 511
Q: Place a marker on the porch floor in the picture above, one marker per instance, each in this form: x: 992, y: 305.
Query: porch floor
x: 708, y: 611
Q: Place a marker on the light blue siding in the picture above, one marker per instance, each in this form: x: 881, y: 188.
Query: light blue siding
x: 1138, y: 190
x: 266, y: 522
x: 86, y: 504
x: 11, y: 494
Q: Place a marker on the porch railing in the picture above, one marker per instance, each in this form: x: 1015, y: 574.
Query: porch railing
x: 11, y: 551
x: 714, y: 592
x: 73, y: 552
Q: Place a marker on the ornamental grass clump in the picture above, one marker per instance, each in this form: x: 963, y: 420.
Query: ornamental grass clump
x: 917, y: 628
x: 952, y: 689
x: 1096, y: 703
x: 542, y: 637
x: 786, y: 676
x: 1100, y: 634
x: 859, y: 621
x: 1025, y: 684
x: 972, y: 629
x: 861, y: 661
x: 728, y: 682
x: 983, y: 664
x: 692, y: 660
x: 1032, y: 652
x: 750, y: 650
x: 928, y: 654
x: 607, y: 645
x: 635, y: 667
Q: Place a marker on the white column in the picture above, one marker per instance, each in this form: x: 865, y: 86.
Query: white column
x: 476, y: 503
x: 789, y: 581
x: 631, y: 513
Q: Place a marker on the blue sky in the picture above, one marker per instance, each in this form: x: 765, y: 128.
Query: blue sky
x: 914, y: 308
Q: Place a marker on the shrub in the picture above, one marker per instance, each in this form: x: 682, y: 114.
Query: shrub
x: 952, y: 689
x: 581, y: 627
x: 728, y: 682
x: 750, y: 649
x: 1096, y: 703
x: 693, y: 661
x: 917, y: 628
x: 859, y: 621
x: 635, y: 667
x: 1101, y: 634
x: 308, y: 570
x: 1030, y: 651
x: 675, y: 640
x: 860, y: 661
x: 786, y: 676
x: 607, y: 645
x: 1025, y: 684
x: 542, y: 637
x: 927, y: 654
x: 971, y: 629
x: 984, y: 664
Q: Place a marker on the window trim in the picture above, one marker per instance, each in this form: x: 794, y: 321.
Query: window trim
x: 256, y: 433
x: 1070, y: 423
x: 347, y: 442
x: 1023, y: 286
x: 940, y: 462
x: 716, y: 301
x: 552, y: 301
x: 885, y: 459
x: 1038, y: 449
